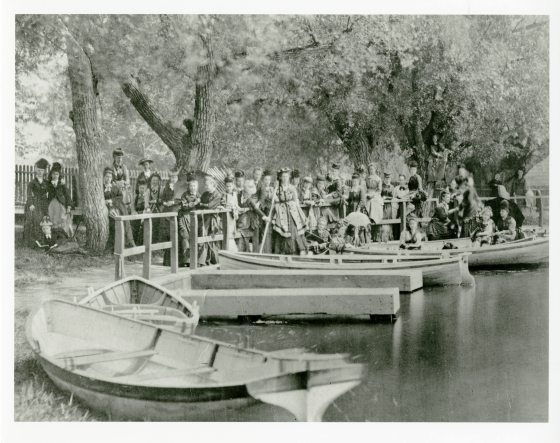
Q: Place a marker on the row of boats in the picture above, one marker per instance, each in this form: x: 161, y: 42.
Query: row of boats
x: 130, y: 348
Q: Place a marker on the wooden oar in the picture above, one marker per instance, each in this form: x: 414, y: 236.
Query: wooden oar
x: 269, y: 220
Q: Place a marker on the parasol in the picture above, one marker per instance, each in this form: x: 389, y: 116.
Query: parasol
x: 357, y: 219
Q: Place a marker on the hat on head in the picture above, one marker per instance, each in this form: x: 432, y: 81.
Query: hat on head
x: 56, y: 166
x: 108, y: 170
x: 307, y: 179
x: 387, y: 174
x: 228, y: 179
x: 504, y: 204
x: 361, y: 168
x: 118, y: 152
x: 295, y: 173
x: 239, y: 174
x: 42, y: 164
x: 335, y: 166
x: 283, y: 170
x: 174, y: 172
x: 145, y: 160
x: 413, y: 164
x: 355, y: 175
x: 410, y: 217
x: 190, y: 177
x: 371, y: 164
x: 267, y: 172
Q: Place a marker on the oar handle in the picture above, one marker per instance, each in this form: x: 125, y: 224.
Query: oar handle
x: 269, y: 220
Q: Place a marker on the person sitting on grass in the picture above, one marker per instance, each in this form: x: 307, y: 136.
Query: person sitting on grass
x: 485, y: 233
x: 506, y: 225
x: 411, y: 237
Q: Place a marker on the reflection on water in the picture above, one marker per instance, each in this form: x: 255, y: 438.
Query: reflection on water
x: 455, y: 353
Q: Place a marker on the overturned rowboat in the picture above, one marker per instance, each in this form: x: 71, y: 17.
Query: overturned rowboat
x: 140, y: 299
x: 135, y: 370
x: 524, y: 252
x: 436, y: 270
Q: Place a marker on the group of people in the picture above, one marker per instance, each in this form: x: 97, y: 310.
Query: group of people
x: 303, y: 214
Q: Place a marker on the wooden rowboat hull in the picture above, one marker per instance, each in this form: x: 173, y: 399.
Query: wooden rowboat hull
x: 132, y: 370
x: 435, y: 272
x: 526, y: 252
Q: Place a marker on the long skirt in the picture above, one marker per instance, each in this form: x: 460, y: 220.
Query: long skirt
x: 184, y: 222
x: 294, y: 244
x: 437, y: 230
x: 60, y: 218
x: 468, y: 227
x: 31, y: 225
x: 208, y: 252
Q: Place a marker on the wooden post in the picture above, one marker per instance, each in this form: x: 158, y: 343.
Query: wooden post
x: 174, y: 253
x: 538, y: 196
x: 193, y: 240
x: 403, y: 216
x: 119, y: 249
x: 148, y: 250
x: 226, y: 229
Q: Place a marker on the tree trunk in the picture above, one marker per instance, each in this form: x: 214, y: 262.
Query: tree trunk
x: 203, y: 119
x: 86, y: 128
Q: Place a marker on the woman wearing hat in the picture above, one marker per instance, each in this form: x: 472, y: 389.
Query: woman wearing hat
x: 506, y: 225
x: 250, y: 220
x: 289, y: 223
x: 356, y: 195
x: 121, y: 177
x: 189, y: 202
x: 374, y: 201
x: 60, y: 204
x: 115, y: 206
x: 37, y: 204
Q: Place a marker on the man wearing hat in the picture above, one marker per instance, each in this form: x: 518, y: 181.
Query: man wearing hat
x: 121, y: 177
x: 506, y: 225
x: 336, y: 192
x: 170, y: 203
x: 296, y: 179
x: 519, y: 187
x: 189, y: 202
x: 37, y: 204
x: 147, y: 172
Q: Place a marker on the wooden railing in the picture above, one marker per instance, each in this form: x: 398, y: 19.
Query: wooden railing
x: 147, y: 248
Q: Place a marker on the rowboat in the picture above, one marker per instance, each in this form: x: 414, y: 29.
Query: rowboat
x: 436, y: 270
x: 135, y: 370
x: 524, y: 252
x: 141, y: 299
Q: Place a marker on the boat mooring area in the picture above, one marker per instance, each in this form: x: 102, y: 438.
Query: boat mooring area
x: 455, y: 353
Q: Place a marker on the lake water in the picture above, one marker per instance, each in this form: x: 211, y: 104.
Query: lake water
x: 454, y: 354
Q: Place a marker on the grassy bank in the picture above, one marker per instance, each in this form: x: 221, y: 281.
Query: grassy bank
x: 36, y: 398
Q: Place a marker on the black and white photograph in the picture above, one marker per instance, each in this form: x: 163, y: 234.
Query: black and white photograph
x: 280, y: 217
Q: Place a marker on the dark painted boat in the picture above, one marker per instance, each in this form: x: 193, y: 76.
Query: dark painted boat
x: 141, y: 299
x: 524, y: 252
x: 436, y: 270
x: 134, y: 370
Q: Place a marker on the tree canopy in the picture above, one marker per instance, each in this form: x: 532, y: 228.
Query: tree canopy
x: 295, y: 90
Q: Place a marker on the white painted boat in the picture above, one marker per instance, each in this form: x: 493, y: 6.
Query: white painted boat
x: 436, y: 270
x: 141, y: 299
x: 134, y: 370
x: 524, y: 252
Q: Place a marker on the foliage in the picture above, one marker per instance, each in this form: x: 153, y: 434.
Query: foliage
x: 311, y: 88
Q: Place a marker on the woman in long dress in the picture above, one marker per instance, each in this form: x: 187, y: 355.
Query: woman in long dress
x: 469, y: 211
x: 250, y: 220
x: 121, y: 177
x: 37, y: 204
x: 374, y: 201
x: 356, y: 195
x: 289, y: 223
x: 154, y: 203
x: 60, y: 202
x: 306, y: 199
x: 438, y: 228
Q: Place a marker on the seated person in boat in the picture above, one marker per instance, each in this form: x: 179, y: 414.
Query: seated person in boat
x: 438, y: 228
x: 189, y: 202
x: 250, y: 220
x: 322, y: 200
x: 485, y: 232
x: 411, y: 237
x: 289, y: 222
x: 319, y: 239
x: 338, y: 242
x: 506, y: 226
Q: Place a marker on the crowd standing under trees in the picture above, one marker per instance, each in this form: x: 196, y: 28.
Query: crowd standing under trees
x: 307, y: 215
x: 248, y: 90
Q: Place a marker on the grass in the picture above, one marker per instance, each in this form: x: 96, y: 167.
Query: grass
x: 36, y: 398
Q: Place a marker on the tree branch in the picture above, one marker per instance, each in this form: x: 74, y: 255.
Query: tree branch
x: 172, y: 136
